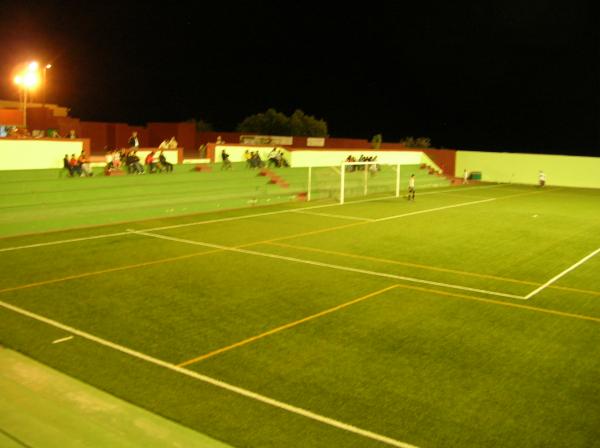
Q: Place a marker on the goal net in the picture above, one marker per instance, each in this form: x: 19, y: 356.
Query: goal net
x: 353, y: 180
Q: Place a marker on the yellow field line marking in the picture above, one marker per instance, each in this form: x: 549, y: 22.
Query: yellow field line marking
x: 360, y: 299
x: 212, y: 381
x: 283, y: 327
x: 432, y: 268
x: 106, y: 271
x: 402, y: 263
x: 583, y: 291
x: 498, y: 302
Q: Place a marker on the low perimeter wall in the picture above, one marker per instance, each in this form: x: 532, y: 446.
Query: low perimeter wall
x: 17, y: 154
x: 324, y: 157
x: 565, y: 171
x: 25, y: 154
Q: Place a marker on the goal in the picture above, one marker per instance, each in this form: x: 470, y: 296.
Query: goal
x: 353, y: 180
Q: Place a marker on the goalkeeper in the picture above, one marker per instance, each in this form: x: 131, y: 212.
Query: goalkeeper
x: 411, y: 188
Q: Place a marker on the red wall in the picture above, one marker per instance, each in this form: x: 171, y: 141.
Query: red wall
x: 444, y: 158
x: 157, y: 132
x: 13, y: 117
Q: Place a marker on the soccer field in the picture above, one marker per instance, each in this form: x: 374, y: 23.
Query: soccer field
x: 469, y: 317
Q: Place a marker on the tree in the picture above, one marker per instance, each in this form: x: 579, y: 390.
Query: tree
x: 272, y: 122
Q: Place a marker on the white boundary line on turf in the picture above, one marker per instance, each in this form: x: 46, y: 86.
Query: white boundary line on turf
x: 218, y: 220
x: 326, y: 265
x: 331, y: 215
x: 212, y: 381
x: 563, y: 273
x: 419, y: 212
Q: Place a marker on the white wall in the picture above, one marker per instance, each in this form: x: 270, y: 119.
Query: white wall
x: 36, y: 154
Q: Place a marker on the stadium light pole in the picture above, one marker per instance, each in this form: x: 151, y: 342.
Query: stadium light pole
x: 27, y: 80
x: 48, y: 66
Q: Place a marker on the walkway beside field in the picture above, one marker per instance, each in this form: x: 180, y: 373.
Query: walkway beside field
x: 41, y: 407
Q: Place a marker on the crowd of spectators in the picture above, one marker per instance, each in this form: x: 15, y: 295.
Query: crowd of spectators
x: 374, y: 168
x: 77, y: 166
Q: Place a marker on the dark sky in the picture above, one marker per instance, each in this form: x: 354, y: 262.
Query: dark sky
x: 493, y: 75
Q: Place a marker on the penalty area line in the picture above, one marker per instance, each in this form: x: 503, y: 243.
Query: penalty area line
x: 212, y: 381
x: 325, y: 265
x: 562, y: 274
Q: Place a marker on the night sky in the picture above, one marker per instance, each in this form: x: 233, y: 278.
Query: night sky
x: 489, y: 75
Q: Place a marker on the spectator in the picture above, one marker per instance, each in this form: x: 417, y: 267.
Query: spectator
x: 256, y: 161
x: 84, y: 165
x: 173, y: 145
x: 226, y: 165
x: 164, y: 145
x: 67, y: 166
x: 542, y: 178
x: 219, y: 141
x: 273, y: 158
x: 134, y: 142
x: 164, y: 163
x: 75, y: 168
x: 281, y: 160
x: 133, y: 163
x: 109, y: 160
x: 151, y: 162
x: 72, y: 134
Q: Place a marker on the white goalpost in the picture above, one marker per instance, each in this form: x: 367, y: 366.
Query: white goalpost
x: 353, y: 180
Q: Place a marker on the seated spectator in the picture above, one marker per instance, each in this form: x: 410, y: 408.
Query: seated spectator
x: 256, y: 161
x: 75, y: 167
x: 281, y: 160
x: 72, y: 134
x: 133, y: 163
x: 272, y: 158
x: 164, y: 145
x: 84, y: 164
x: 109, y: 160
x: 151, y: 162
x: 164, y: 163
x: 173, y: 145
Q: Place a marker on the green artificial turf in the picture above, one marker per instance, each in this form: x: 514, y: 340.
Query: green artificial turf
x: 450, y: 355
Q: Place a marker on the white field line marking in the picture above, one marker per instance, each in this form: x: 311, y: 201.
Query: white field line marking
x: 58, y: 341
x: 325, y: 265
x: 566, y: 271
x: 72, y: 240
x: 218, y: 220
x: 212, y: 381
x: 462, y: 204
x: 331, y: 215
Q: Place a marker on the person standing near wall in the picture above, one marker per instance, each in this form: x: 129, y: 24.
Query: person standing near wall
x: 542, y: 178
x: 466, y: 177
x: 133, y: 140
